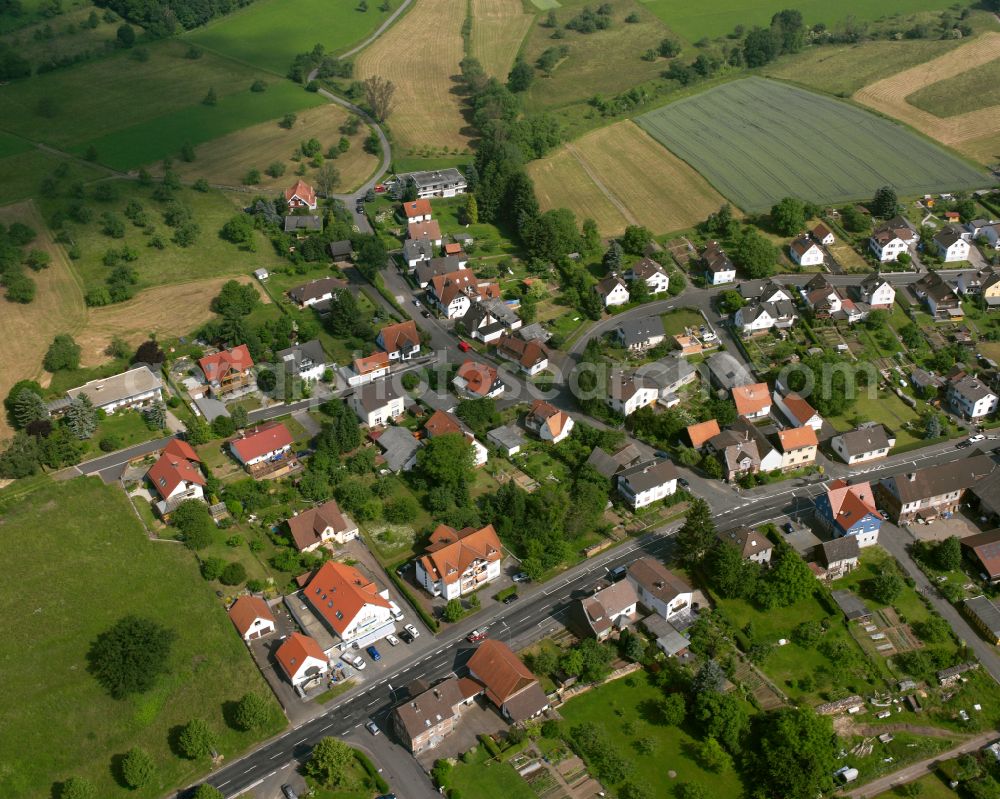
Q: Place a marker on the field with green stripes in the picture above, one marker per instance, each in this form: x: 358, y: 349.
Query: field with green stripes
x: 757, y: 141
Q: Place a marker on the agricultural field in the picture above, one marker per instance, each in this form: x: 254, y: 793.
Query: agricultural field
x: 225, y: 161
x: 605, y: 62
x: 22, y: 170
x: 842, y: 69
x: 209, y: 256
x: 420, y: 54
x: 770, y: 140
x: 630, y: 170
x: 168, y: 311
x: 975, y: 133
x: 57, y: 308
x: 30, y: 13
x: 695, y: 21
x: 270, y: 33
x: 135, y: 112
x: 63, y: 724
x: 978, y: 87
x: 498, y: 26
x: 64, y: 36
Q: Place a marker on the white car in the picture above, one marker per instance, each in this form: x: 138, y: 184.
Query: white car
x: 397, y: 614
x: 412, y: 630
x: 358, y: 662
x: 416, y: 303
x: 977, y: 438
x: 391, y: 639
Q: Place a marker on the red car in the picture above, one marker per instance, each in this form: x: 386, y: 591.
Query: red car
x: 476, y: 636
x: 463, y: 346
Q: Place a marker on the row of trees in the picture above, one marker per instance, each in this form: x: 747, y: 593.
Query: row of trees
x: 19, y: 286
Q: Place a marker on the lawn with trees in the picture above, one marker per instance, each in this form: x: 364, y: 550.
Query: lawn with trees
x: 80, y: 613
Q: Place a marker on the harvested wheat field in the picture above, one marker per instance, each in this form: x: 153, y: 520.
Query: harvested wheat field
x: 27, y: 330
x: 168, y: 311
x: 498, y: 27
x: 225, y: 161
x: 421, y: 54
x: 974, y: 133
x: 641, y: 181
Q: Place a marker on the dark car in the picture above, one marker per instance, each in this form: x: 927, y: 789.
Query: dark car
x: 510, y: 599
x: 682, y: 482
x: 406, y: 637
x: 425, y: 314
x: 789, y: 528
x: 289, y: 792
x: 373, y: 653
x: 618, y: 573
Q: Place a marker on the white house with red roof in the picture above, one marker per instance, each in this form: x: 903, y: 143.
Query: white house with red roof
x: 301, y: 195
x: 417, y: 211
x: 849, y: 510
x: 350, y: 605
x: 316, y: 526
x: 459, y: 562
x: 532, y: 356
x: 252, y: 617
x: 548, y: 422
x: 442, y: 422
x: 478, y: 380
x: 400, y: 340
x: 799, y: 412
x: 176, y: 476
x: 806, y: 252
x: 366, y: 369
x: 228, y: 370
x: 753, y: 401
x: 261, y: 444
x: 429, y: 229
x: 302, y: 660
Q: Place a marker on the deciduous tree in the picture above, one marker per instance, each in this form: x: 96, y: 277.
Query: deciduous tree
x: 197, y: 739
x: 253, y: 712
x: 128, y: 658
x: 138, y: 768
x: 788, y: 216
x: 379, y: 95
x: 697, y: 534
x: 329, y: 762
x: 794, y: 753
x: 63, y: 353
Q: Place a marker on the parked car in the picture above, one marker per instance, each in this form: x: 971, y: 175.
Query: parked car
x: 683, y: 483
x: 521, y: 577
x: 413, y: 631
x: 289, y: 792
x: 476, y: 635
x: 977, y: 438
x: 358, y: 662
x: 617, y: 573
x: 405, y: 637
x: 372, y: 727
x: 789, y: 528
x: 416, y: 302
x: 425, y: 314
x: 397, y: 614
x: 373, y: 653
x: 391, y: 640
x: 464, y: 346
x: 510, y: 599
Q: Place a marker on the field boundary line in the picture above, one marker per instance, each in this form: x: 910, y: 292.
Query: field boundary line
x: 622, y: 209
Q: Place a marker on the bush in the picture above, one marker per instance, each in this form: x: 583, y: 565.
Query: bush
x: 233, y: 574
x: 211, y: 568
x: 138, y: 768
x: 196, y: 740
x: 252, y: 712
x: 110, y: 443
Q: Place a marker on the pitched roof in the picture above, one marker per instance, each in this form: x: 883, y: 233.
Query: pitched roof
x: 425, y: 230
x: 948, y: 236
x: 622, y: 386
x: 338, y: 592
x: 715, y: 258
x: 986, y: 546
x: 752, y: 398
x: 450, y: 551
x: 246, y: 610
x: 430, y: 708
x: 800, y: 410
x: 181, y: 449
x: 479, y: 378
x: 415, y: 249
x: 295, y: 649
x: 865, y: 439
x: 307, y: 527
x: 303, y: 191
x: 945, y: 478
x: 527, y: 353
x: 338, y: 248
x: 970, y: 387
x: 371, y: 363
x: 838, y: 549
x: 429, y: 269
x: 307, y: 352
x: 400, y: 336
x: 639, y: 331
x: 821, y: 231
x: 442, y: 422
x: 657, y: 579
x: 508, y: 436
x: 417, y: 208
x: 747, y: 541
x: 802, y: 245
x: 849, y: 504
x: 646, y: 268
x: 544, y: 413
x: 315, y: 289
x: 987, y: 613
x: 216, y: 367
x: 398, y: 446
x: 608, y: 603
x: 261, y: 440
x: 448, y: 286
x: 500, y: 670
x: 171, y: 469
x: 702, y: 432
x: 608, y: 284
x: 377, y: 394
x: 797, y: 438
x: 648, y: 474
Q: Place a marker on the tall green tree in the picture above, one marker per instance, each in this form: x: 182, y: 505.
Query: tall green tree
x: 330, y: 762
x: 128, y: 658
x: 447, y: 461
x: 697, y: 534
x: 206, y: 791
x: 138, y: 768
x: 63, y: 353
x: 885, y: 203
x: 78, y: 788
x: 788, y: 216
x: 197, y: 740
x: 253, y: 712
x: 520, y: 76
x: 29, y: 407
x: 755, y: 254
x: 793, y: 754
x: 81, y: 417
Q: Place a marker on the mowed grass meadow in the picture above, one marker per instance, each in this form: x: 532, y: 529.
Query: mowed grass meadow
x: 757, y: 141
x: 270, y: 33
x: 134, y: 112
x: 73, y: 574
x: 695, y: 21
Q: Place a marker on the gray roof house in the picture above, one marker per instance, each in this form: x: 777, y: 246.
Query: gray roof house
x: 727, y: 372
x: 293, y: 223
x: 399, y: 448
x: 508, y: 438
x: 303, y: 360
x: 610, y: 465
x: 428, y: 269
x: 340, y: 249
x: 417, y: 250
x: 638, y: 334
x: 134, y: 388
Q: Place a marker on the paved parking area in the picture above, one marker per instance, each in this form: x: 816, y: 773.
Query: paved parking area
x: 940, y: 529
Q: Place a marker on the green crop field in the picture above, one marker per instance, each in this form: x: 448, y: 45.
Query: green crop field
x: 769, y: 140
x: 695, y: 21
x: 976, y: 88
x: 71, y: 575
x: 269, y: 33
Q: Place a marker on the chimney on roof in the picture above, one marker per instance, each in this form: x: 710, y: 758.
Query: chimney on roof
x: 659, y: 584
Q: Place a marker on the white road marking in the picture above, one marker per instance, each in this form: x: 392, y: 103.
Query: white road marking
x: 224, y: 783
x: 373, y: 702
x: 279, y: 754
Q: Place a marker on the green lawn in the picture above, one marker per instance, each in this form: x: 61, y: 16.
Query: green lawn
x: 674, y: 322
x: 127, y: 426
x: 489, y: 239
x: 749, y: 121
x: 611, y: 705
x: 886, y: 408
x: 270, y: 33
x: 694, y: 21
x: 978, y: 87
x: 12, y: 145
x: 21, y: 174
x: 484, y: 778
x: 931, y: 787
x: 82, y: 562
x: 210, y: 256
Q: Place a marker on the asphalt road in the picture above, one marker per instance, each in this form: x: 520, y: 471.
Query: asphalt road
x: 111, y: 467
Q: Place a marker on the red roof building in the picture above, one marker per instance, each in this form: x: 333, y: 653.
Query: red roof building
x: 509, y: 684
x: 301, y: 195
x: 478, y: 379
x: 252, y: 617
x: 350, y: 604
x: 302, y: 659
x: 227, y: 370
x: 261, y: 443
x: 417, y: 210
x: 176, y: 471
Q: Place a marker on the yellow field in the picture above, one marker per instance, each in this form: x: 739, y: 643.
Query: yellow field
x: 498, y: 26
x: 420, y: 54
x: 27, y: 330
x: 225, y: 161
x: 168, y: 311
x: 976, y: 133
x: 619, y: 176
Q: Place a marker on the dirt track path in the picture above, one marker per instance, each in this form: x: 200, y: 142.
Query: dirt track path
x: 622, y: 208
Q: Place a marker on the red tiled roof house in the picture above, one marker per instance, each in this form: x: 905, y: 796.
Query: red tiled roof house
x: 301, y: 195
x: 261, y: 444
x: 349, y: 604
x: 229, y: 370
x: 459, y: 561
x: 302, y: 660
x: 252, y: 617
x: 176, y: 476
